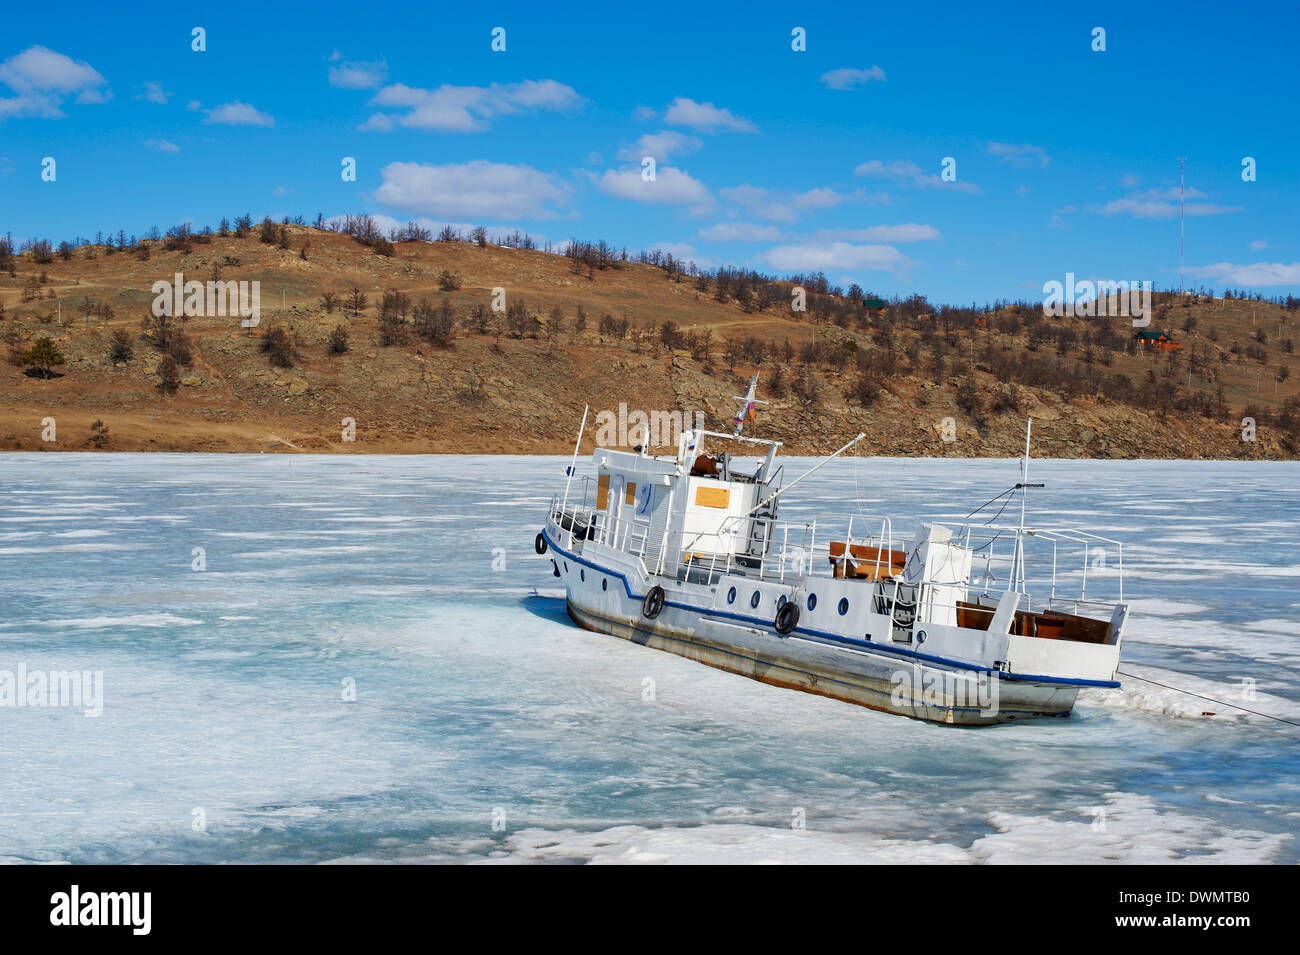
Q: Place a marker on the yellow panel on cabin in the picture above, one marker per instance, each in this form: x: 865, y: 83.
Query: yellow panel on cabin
x: 712, y: 496
x: 630, y: 496
x: 602, y: 492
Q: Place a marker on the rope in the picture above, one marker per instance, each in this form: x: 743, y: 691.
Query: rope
x: 990, y: 501
x: 1209, y: 698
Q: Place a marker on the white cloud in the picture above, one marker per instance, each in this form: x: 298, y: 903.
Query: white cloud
x: 193, y: 106
x: 740, y: 232
x: 1128, y: 180
x: 706, y: 117
x: 764, y: 203
x: 1256, y: 274
x: 1056, y: 222
x: 40, y: 68
x: 670, y: 185
x: 644, y: 114
x: 1258, y: 244
x: 908, y: 173
x: 42, y: 79
x: 1160, y: 204
x: 660, y: 146
x: 477, y: 191
x: 359, y: 76
x: 908, y: 232
x: 162, y: 145
x: 466, y: 109
x: 153, y: 92
x: 848, y: 78
x: 834, y: 256
x: 239, y: 114
x: 1171, y: 193
x: 820, y: 198
x: 785, y: 206
x: 1022, y: 156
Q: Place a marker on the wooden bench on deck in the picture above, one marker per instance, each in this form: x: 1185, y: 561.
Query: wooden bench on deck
x: 869, y: 563
x: 1047, y: 625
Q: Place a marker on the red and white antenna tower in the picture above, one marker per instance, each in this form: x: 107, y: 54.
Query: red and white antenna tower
x: 1181, y: 196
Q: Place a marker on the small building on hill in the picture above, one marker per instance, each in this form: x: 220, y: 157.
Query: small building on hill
x: 877, y: 305
x: 1151, y: 340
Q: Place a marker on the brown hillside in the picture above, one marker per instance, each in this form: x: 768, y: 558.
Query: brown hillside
x: 519, y: 385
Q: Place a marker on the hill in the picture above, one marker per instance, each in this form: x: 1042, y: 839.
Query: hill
x: 430, y: 366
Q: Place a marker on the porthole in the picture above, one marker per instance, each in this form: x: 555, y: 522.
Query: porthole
x: 844, y: 606
x: 582, y: 575
x: 780, y: 601
x: 731, y: 595
x: 812, y: 602
x: 753, y: 601
x: 604, y: 583
x: 566, y: 566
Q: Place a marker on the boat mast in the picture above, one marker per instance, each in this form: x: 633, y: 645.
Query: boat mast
x: 574, y: 463
x: 1018, y: 557
x: 1024, y: 477
x: 748, y: 407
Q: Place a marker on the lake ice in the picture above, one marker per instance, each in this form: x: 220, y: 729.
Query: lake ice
x: 487, y: 727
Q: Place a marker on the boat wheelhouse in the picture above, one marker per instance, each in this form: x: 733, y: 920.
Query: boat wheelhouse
x: 688, y: 553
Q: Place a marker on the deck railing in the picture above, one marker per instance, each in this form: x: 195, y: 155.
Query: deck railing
x: 771, y: 549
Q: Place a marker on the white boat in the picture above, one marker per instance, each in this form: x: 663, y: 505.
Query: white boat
x: 686, y: 553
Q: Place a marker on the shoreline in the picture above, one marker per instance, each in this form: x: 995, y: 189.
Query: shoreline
x: 586, y: 453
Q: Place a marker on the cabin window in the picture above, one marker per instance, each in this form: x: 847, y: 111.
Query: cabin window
x: 753, y: 601
x: 780, y: 601
x: 731, y: 595
x: 812, y: 602
x: 844, y: 606
x: 582, y: 574
x: 566, y: 566
x: 604, y: 583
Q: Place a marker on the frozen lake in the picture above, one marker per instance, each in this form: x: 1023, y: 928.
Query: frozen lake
x: 487, y: 727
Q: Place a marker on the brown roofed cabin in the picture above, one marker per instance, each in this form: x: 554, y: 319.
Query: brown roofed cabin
x: 1145, y: 338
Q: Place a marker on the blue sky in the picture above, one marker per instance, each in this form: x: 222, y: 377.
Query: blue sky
x: 1066, y: 158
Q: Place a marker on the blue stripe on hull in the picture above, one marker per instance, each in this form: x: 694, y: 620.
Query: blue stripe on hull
x: 865, y: 646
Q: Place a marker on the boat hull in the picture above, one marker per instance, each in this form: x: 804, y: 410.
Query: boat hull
x: 906, y: 687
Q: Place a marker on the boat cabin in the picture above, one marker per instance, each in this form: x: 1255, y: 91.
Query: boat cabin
x: 695, y: 506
